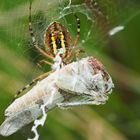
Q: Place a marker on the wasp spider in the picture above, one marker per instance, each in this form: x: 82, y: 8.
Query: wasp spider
x: 57, y: 42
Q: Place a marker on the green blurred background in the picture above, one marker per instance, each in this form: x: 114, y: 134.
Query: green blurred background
x: 119, y: 118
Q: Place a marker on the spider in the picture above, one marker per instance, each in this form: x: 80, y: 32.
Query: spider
x: 57, y: 43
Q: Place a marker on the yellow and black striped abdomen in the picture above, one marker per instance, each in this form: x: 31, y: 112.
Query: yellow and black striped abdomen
x: 56, y: 37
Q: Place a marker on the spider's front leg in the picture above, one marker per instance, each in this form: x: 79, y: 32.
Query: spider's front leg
x: 73, y: 54
x: 78, y: 31
x: 44, y: 62
x: 78, y: 52
x: 34, y: 41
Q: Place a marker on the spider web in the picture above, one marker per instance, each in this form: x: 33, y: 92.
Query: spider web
x: 95, y: 28
x: 92, y: 38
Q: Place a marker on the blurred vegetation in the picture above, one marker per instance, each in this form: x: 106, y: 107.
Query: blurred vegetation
x: 119, y: 118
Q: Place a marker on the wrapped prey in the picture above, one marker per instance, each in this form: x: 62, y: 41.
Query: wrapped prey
x: 84, y: 82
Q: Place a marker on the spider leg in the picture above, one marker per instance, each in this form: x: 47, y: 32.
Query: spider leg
x: 71, y: 52
x: 78, y: 52
x: 35, y: 43
x: 41, y: 62
x: 78, y: 31
x: 34, y: 81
